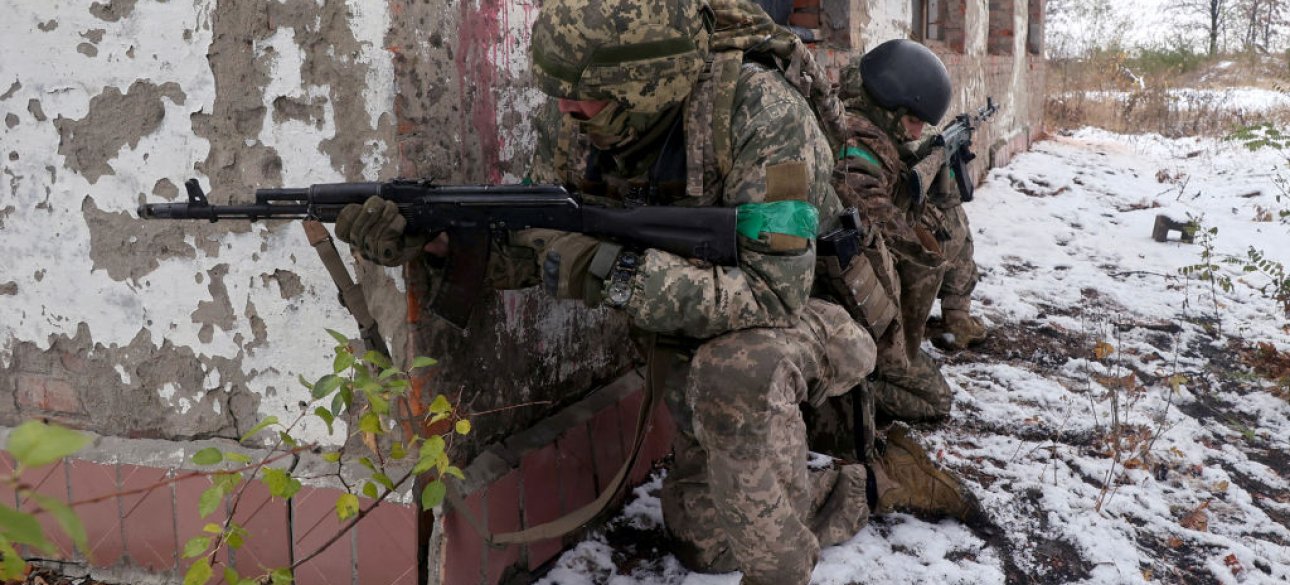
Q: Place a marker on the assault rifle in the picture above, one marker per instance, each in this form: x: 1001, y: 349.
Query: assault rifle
x: 957, y: 140
x: 472, y: 215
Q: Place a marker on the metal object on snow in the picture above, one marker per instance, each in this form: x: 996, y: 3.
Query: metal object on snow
x: 1164, y: 225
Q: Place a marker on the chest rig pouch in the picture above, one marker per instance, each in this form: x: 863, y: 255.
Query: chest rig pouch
x: 843, y: 260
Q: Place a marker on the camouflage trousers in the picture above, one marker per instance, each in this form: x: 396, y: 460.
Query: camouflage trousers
x: 957, y: 248
x: 917, y: 393
x: 740, y: 495
x: 914, y: 390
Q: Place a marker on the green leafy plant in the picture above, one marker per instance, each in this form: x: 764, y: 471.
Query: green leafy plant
x: 1275, y: 283
x: 1208, y: 270
x: 1260, y: 136
x: 32, y: 445
x: 361, y: 390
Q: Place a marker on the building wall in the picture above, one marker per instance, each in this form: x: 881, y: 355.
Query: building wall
x: 169, y: 330
x: 162, y: 332
x: 181, y: 330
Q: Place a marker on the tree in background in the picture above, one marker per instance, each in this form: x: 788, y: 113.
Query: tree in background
x: 1212, y: 16
x: 1077, y: 28
x: 1260, y: 23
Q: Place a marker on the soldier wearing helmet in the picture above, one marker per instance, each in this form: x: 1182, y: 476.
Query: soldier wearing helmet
x: 890, y: 94
x: 656, y: 103
x: 907, y: 79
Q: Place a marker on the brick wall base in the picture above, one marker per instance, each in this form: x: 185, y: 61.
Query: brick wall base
x: 535, y: 476
x: 149, y: 509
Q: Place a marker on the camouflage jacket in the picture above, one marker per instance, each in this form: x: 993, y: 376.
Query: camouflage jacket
x: 776, y: 151
x: 868, y: 176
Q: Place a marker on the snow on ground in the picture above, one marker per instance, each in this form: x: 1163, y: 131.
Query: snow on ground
x: 1200, y: 492
x: 1248, y: 100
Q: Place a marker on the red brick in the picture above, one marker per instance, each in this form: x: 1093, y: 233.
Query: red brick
x: 463, y: 559
x: 607, y: 444
x: 102, y: 519
x: 148, y: 518
x: 268, y: 540
x: 49, y: 480
x: 314, y: 522
x: 541, y: 499
x: 804, y: 20
x: 577, y: 468
x: 503, y: 501
x: 630, y: 409
x: 8, y: 497
x: 387, y: 545
x: 658, y: 444
x: 49, y: 394
x: 188, y: 520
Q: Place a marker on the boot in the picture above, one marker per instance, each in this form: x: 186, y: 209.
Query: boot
x: 907, y: 480
x: 961, y: 329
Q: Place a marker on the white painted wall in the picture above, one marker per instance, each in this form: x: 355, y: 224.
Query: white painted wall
x: 44, y: 240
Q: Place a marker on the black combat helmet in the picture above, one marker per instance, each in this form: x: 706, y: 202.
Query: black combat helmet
x: 904, y: 74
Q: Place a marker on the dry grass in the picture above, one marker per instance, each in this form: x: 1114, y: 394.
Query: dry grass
x: 1172, y: 94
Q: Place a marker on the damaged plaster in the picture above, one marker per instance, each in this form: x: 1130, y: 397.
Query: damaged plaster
x: 113, y: 10
x: 114, y: 120
x: 133, y: 389
x: 199, y: 329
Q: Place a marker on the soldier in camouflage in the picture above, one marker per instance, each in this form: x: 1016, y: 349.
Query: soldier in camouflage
x: 657, y: 103
x: 941, y: 214
x: 888, y: 169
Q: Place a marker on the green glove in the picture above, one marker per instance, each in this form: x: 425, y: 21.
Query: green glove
x: 565, y: 260
x: 377, y: 229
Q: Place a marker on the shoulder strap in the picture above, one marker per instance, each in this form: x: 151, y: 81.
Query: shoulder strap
x: 725, y: 80
x: 580, y: 517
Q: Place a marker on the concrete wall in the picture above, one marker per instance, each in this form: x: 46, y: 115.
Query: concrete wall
x: 172, y: 330
x: 189, y: 330
x: 163, y: 331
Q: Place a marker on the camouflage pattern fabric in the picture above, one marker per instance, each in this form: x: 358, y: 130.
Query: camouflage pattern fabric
x: 918, y: 393
x: 742, y: 25
x: 740, y: 495
x: 671, y: 294
x: 950, y: 219
x: 909, y: 385
x: 645, y: 55
x: 749, y: 344
x: 868, y: 177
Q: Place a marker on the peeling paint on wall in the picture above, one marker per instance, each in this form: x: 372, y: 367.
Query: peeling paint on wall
x: 113, y: 121
x: 214, y: 319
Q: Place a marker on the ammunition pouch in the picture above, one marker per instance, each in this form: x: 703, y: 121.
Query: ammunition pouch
x: 856, y: 286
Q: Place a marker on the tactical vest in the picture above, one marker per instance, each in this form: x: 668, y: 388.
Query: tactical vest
x: 692, y: 167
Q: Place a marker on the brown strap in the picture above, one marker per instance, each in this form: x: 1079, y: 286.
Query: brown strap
x: 580, y: 517
x: 351, y: 293
x: 355, y: 301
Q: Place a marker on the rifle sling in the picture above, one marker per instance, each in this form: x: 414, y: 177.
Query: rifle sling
x: 654, y: 371
x: 351, y: 293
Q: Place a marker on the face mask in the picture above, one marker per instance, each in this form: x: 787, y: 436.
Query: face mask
x: 609, y: 128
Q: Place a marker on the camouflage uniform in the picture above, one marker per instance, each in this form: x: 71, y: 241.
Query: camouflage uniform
x: 961, y: 274
x: 741, y: 350
x: 870, y: 176
x: 746, y: 346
